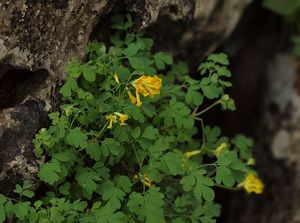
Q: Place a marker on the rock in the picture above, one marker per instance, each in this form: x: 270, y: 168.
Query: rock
x: 38, y: 34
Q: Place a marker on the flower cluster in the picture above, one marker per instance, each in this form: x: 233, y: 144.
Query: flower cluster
x: 145, y: 85
x: 252, y: 184
x: 113, y: 118
x: 144, y: 178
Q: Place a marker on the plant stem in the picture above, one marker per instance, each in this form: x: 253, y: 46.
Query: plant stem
x: 227, y: 188
x: 206, y: 109
x: 101, y: 131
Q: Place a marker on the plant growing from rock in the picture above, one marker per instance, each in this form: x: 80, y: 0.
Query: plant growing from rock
x: 125, y: 145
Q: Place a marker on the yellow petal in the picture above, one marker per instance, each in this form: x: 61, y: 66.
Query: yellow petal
x: 116, y: 77
x: 192, y: 153
x: 252, y: 184
x: 138, y: 99
x: 131, y: 97
x: 220, y: 148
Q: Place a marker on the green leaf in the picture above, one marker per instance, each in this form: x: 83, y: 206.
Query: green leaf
x: 223, y: 71
x: 244, y: 145
x: 147, y: 43
x: 124, y: 183
x: 150, y: 132
x: 104, y: 214
x: 68, y: 87
x: 142, y: 63
x: 94, y: 150
x: 77, y: 138
x: 18, y: 189
x: 99, y: 49
x: 226, y: 158
x: 26, y: 185
x: 115, y: 39
x: 172, y: 163
x: 179, y: 113
x: 161, y: 59
x: 22, y: 209
x: 285, y: 8
x: 28, y: 193
x: 113, y: 146
x: 9, y: 209
x: 136, y: 114
x: 148, y: 208
x: 220, y: 58
x: 203, y: 187
x: 64, y: 156
x: 2, y: 214
x: 132, y: 49
x: 211, y: 91
x: 182, y: 202
x: 208, y: 193
x: 3, y: 199
x: 88, y: 73
x: 121, y: 133
x: 65, y: 188
x: 188, y: 182
x: 49, y: 172
x: 223, y: 175
x: 73, y: 68
x: 160, y: 145
x: 136, y: 132
x: 112, y: 195
x: 201, y: 184
x: 194, y: 97
x: 87, y: 178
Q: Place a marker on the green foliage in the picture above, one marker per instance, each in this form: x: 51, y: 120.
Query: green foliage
x: 150, y: 168
x: 284, y: 8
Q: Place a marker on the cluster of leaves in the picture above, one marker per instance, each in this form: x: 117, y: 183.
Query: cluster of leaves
x: 290, y: 10
x: 96, y: 174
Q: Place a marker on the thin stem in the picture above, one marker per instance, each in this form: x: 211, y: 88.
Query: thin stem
x: 208, y: 108
x: 195, y: 111
x: 203, y: 133
x: 103, y: 128
x: 127, y: 82
x: 208, y: 164
x: 211, y: 173
x: 227, y: 188
x: 137, y: 159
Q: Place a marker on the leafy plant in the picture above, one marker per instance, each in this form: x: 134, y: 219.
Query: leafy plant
x: 125, y: 146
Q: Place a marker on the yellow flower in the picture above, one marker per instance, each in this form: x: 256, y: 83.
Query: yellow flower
x: 122, y: 117
x: 252, y: 184
x: 145, y: 85
x: 131, y: 97
x: 144, y: 179
x: 220, y: 148
x: 138, y: 99
x: 112, y: 119
x: 192, y: 153
x: 116, y: 77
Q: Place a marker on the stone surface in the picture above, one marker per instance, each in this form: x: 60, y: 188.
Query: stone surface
x: 39, y: 34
